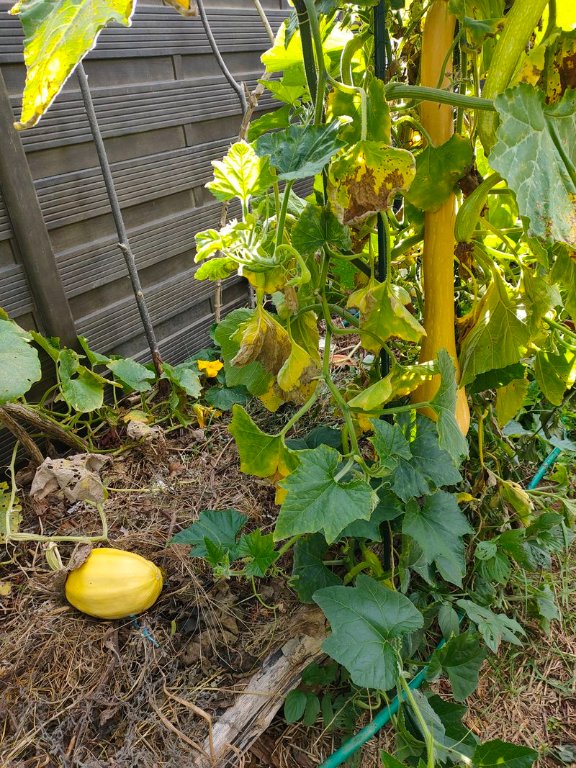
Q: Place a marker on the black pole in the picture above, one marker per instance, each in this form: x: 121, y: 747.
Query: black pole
x: 380, y: 64
x: 124, y: 242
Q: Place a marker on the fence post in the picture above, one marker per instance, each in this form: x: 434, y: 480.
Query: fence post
x: 29, y: 227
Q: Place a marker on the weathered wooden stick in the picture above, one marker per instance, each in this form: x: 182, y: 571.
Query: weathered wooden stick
x: 253, y: 711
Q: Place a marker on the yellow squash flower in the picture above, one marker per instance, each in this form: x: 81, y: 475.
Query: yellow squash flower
x: 210, y: 367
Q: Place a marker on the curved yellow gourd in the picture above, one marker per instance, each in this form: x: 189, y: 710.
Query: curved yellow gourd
x: 439, y: 242
x: 113, y: 584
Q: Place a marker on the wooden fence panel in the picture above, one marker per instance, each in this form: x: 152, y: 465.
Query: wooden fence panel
x: 165, y: 112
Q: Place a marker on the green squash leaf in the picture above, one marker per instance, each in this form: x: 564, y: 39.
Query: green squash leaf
x: 81, y: 388
x: 19, y: 362
x: 510, y: 399
x: 460, y: 658
x: 438, y: 169
x: 367, y: 623
x: 184, y: 377
x: 300, y: 151
x: 438, y: 527
x: 317, y: 502
x: 271, y: 121
x: 57, y: 36
x: 536, y: 154
x: 317, y: 227
x: 259, y: 548
x: 555, y: 373
x: 493, y: 754
x: 132, y: 374
x: 450, y: 438
x: 219, y: 526
x: 494, y: 627
x: 309, y: 573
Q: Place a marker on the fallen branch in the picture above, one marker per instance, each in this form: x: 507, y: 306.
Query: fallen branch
x: 280, y: 673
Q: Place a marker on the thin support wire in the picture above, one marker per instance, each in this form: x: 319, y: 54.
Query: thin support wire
x: 124, y: 242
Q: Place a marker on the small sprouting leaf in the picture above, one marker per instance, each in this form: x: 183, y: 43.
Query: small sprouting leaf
x: 429, y: 468
x: 537, y: 157
x: 221, y: 527
x: 389, y: 443
x: 19, y: 362
x: 450, y: 437
x: 216, y: 269
x: 308, y: 571
x: 364, y: 180
x: 368, y: 622
x: 132, y: 374
x: 437, y: 171
x: 184, y: 377
x: 438, y: 527
x: 493, y: 754
x: 460, y: 658
x: 299, y: 151
x: 317, y: 227
x: 294, y: 705
x: 259, y: 548
x: 499, y: 338
x: 240, y: 174
x: 81, y: 388
x: 57, y: 36
x: 494, y: 627
x: 316, y: 501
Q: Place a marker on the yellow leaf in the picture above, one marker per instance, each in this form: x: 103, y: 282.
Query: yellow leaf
x: 57, y: 36
x: 262, y: 338
x: 298, y: 376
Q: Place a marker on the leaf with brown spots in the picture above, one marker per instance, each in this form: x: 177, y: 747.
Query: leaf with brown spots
x: 364, y: 180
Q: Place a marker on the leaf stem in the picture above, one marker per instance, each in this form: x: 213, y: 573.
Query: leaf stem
x: 426, y: 733
x: 397, y: 91
x: 289, y: 544
x: 283, y: 211
x: 298, y: 415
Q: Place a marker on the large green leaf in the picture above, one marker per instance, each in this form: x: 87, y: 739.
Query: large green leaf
x: 494, y: 754
x: 450, y: 437
x: 367, y: 623
x: 317, y: 501
x: 261, y: 454
x: 390, y: 444
x: 240, y: 174
x: 300, y: 151
x: 19, y: 363
x: 536, y: 154
x: 460, y: 658
x: 438, y: 527
x: 81, y: 388
x: 57, y: 35
x: 437, y: 171
x: 498, y: 338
